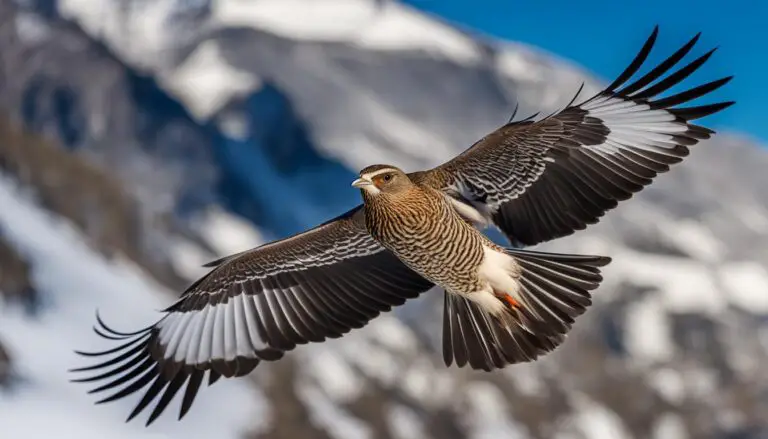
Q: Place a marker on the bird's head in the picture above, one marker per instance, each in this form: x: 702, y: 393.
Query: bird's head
x: 378, y: 179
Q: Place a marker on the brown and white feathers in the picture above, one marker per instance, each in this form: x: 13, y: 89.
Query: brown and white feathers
x: 535, y: 180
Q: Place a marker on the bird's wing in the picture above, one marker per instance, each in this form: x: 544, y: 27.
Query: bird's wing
x: 542, y: 180
x: 254, y: 307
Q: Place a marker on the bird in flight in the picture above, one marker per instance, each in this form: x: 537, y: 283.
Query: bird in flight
x: 534, y: 180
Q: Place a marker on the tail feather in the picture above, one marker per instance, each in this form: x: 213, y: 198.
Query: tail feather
x: 555, y: 289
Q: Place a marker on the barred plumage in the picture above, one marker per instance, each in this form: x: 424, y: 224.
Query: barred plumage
x: 502, y: 306
x: 424, y: 231
x: 535, y: 180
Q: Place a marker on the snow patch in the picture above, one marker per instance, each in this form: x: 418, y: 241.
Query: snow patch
x: 514, y: 63
x: 420, y: 380
x: 319, y: 20
x: 700, y: 382
x: 597, y: 422
x: 756, y: 218
x: 31, y: 28
x: 669, y: 383
x: 747, y: 285
x: 368, y: 24
x: 670, y: 426
x: 75, y: 281
x: 695, y: 239
x: 392, y: 333
x: 188, y: 259
x: 488, y: 413
x: 399, y: 27
x: 205, y: 82
x: 138, y: 31
x: 405, y: 143
x: 234, y: 124
x: 686, y: 285
x: 338, y: 422
x: 404, y: 423
x: 526, y: 378
x: 648, y: 335
x: 228, y: 233
x: 374, y: 362
x: 335, y: 376
x: 417, y: 379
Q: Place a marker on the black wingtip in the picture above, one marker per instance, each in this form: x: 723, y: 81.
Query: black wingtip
x: 76, y: 380
x: 216, y: 262
x: 89, y: 354
x: 640, y: 58
x: 578, y: 92
x: 108, y: 329
x: 531, y: 117
x: 654, y: 32
x: 695, y: 38
x: 690, y: 94
x: 602, y: 261
x: 98, y: 390
x: 514, y: 113
x: 664, y: 67
x: 674, y: 78
x: 133, y: 414
x: 697, y: 112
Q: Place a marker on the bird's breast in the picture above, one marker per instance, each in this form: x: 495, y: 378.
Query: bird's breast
x: 431, y: 238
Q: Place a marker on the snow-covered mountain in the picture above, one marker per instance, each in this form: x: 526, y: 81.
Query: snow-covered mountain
x: 159, y: 134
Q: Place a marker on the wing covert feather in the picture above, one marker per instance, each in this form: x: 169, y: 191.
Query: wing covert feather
x: 541, y: 180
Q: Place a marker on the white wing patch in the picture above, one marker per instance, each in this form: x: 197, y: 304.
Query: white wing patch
x: 216, y: 332
x: 636, y: 125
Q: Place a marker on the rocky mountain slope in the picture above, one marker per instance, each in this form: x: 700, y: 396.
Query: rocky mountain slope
x: 142, y: 138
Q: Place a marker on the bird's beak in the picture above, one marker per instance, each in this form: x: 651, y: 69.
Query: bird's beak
x: 361, y: 183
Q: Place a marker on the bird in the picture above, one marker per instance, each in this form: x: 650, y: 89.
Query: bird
x: 534, y: 179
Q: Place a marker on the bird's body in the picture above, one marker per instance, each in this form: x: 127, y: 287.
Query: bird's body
x: 424, y: 229
x: 533, y: 180
x: 420, y: 226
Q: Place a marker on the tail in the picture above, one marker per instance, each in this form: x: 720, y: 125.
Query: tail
x: 554, y: 290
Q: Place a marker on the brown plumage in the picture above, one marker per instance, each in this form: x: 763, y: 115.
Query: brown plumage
x: 535, y: 180
x: 407, y: 218
x: 502, y: 306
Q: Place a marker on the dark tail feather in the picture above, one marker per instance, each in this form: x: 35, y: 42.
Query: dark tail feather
x: 554, y: 290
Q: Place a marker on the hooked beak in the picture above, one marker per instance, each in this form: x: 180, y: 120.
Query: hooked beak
x: 361, y: 183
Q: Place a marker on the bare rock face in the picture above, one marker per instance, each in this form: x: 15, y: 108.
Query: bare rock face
x: 5, y: 367
x: 16, y: 285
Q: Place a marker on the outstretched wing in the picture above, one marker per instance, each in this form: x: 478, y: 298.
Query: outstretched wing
x: 254, y: 307
x: 542, y: 180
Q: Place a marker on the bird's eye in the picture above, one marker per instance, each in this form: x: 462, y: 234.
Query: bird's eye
x: 388, y: 177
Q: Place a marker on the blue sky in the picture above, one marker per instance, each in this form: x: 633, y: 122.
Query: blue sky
x: 604, y: 35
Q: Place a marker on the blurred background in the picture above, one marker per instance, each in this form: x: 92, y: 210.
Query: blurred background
x: 140, y: 139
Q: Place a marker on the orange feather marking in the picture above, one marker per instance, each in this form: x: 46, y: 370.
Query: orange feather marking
x: 511, y: 301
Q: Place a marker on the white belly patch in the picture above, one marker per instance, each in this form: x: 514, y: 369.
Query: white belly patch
x: 500, y: 272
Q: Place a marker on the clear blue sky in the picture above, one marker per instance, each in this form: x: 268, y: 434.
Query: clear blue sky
x: 604, y: 35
